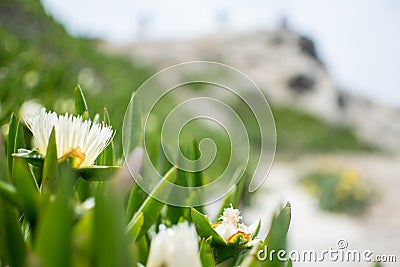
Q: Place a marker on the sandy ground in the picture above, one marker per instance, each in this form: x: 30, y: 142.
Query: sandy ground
x: 313, y: 229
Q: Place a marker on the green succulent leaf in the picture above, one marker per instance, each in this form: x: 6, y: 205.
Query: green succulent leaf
x: 109, y: 240
x: 136, y: 198
x: 12, y: 246
x: 50, y: 165
x: 106, y: 157
x: 136, y: 228
x: 151, y: 207
x: 9, y: 193
x: 250, y: 259
x: 27, y: 190
x: 81, y: 107
x: 204, y: 228
x: 12, y: 132
x: 206, y: 253
x: 31, y: 156
x: 53, y: 242
x: 275, y: 240
x: 132, y: 131
x: 97, y: 173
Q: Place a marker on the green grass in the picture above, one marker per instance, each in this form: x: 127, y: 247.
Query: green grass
x: 38, y: 59
x: 299, y: 131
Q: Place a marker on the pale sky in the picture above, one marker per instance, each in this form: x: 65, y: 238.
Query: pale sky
x: 359, y: 40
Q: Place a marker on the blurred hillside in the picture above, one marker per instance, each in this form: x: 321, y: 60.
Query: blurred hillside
x: 38, y: 59
x: 311, y: 113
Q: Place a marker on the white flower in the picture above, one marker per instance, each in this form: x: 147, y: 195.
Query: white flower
x: 230, y: 226
x: 31, y: 106
x: 83, y: 140
x: 175, y: 247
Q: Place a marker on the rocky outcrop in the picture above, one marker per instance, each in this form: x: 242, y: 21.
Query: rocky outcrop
x: 287, y: 68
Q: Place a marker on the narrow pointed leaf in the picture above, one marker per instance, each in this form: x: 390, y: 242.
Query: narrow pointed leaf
x: 275, y: 240
x: 136, y: 199
x: 81, y: 238
x: 206, y: 254
x: 53, y: 242
x: 27, y: 190
x: 198, y: 176
x: 204, y: 228
x: 251, y: 259
x: 50, y: 165
x: 136, y: 227
x: 151, y: 207
x: 9, y: 193
x: 81, y: 107
x: 132, y: 131
x: 109, y: 240
x: 12, y: 246
x: 98, y: 173
x: 12, y: 131
x: 31, y: 156
x: 106, y: 157
x: 19, y: 137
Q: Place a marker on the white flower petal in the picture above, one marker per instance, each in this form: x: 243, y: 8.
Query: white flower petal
x: 72, y: 133
x: 175, y: 247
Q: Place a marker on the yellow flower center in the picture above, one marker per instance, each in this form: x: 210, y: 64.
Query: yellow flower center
x: 77, y: 156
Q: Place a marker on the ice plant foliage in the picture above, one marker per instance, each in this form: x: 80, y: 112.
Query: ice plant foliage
x: 175, y: 247
x: 45, y: 198
x: 229, y: 227
x: 82, y: 139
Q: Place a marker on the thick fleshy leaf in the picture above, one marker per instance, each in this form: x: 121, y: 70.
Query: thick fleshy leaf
x: 174, y: 214
x: 50, y: 165
x: 81, y: 238
x: 132, y: 131
x: 12, y: 246
x: 250, y: 259
x: 204, y: 228
x: 110, y: 246
x: 142, y: 248
x: 275, y: 240
x: 255, y: 228
x: 53, y: 242
x: 224, y: 254
x: 106, y: 157
x: 12, y: 131
x: 137, y: 225
x: 97, y: 173
x: 9, y: 193
x: 81, y: 107
x: 151, y: 207
x: 198, y: 176
x: 206, y: 254
x: 136, y: 198
x: 31, y: 156
x: 27, y: 190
